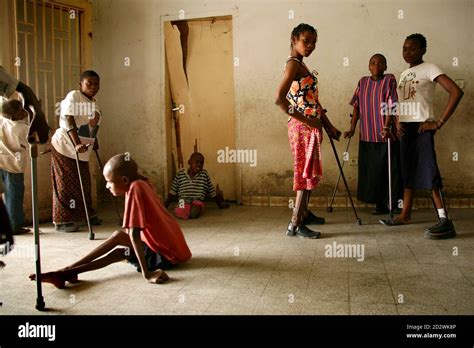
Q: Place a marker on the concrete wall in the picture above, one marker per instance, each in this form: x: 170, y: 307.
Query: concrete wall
x: 131, y: 97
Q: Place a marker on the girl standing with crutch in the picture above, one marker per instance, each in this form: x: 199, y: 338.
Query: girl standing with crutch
x: 71, y: 185
x: 297, y: 96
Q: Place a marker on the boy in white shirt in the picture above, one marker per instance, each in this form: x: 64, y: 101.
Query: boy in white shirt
x: 13, y: 157
x: 418, y: 126
x: 78, y: 109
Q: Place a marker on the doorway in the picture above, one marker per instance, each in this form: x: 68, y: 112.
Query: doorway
x: 199, y: 96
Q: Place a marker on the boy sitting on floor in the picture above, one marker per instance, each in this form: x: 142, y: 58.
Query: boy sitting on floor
x: 192, y: 188
x: 153, y: 238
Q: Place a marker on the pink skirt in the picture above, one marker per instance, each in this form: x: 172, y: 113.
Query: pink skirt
x: 305, y: 143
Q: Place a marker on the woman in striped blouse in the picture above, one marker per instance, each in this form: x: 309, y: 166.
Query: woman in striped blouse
x: 374, y: 102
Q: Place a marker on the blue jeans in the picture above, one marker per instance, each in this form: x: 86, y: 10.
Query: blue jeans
x: 14, y: 192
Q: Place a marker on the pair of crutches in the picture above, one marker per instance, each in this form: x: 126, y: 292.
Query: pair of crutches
x: 389, y: 150
x: 341, y: 174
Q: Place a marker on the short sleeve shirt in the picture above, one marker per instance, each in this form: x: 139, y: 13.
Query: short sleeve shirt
x: 159, y: 230
x: 83, y: 109
x: 13, y: 145
x: 416, y: 93
x: 190, y: 189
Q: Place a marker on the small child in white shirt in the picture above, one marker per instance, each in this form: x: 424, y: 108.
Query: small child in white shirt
x: 13, y: 159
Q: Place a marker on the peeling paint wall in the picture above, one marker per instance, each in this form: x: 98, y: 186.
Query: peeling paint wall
x: 131, y: 96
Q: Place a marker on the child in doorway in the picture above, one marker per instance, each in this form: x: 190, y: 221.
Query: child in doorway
x: 374, y: 101
x: 192, y: 187
x: 418, y: 157
x: 13, y: 158
x: 297, y: 96
x: 152, y: 238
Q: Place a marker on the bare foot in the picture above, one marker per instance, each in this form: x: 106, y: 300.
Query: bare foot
x: 402, y: 220
x: 2, y: 264
x: 157, y: 277
x: 54, y: 278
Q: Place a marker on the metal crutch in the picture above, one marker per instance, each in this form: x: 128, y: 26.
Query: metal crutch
x: 40, y: 305
x: 359, y: 221
x: 389, y: 148
x: 329, y: 208
x: 91, y: 233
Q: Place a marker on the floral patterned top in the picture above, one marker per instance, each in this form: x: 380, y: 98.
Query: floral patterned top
x: 303, y: 93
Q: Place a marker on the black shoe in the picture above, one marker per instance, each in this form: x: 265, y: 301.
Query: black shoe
x: 442, y: 230
x: 21, y: 230
x: 95, y: 221
x: 451, y: 233
x: 69, y: 227
x: 442, y: 225
x: 313, y: 219
x: 304, y: 232
x: 290, y: 231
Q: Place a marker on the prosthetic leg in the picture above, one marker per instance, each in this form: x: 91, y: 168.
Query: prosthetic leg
x: 296, y: 226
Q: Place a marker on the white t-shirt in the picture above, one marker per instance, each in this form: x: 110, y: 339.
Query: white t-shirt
x: 13, y: 145
x: 83, y: 109
x: 8, y: 83
x: 416, y: 93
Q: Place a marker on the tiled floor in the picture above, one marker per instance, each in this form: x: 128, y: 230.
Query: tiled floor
x: 244, y: 264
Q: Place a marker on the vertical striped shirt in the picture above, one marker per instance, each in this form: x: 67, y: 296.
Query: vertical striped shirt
x: 197, y: 188
x: 375, y: 100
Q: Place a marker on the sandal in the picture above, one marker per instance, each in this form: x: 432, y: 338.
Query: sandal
x: 392, y: 222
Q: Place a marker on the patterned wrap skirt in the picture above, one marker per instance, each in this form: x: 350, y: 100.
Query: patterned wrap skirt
x: 67, y: 197
x: 305, y: 143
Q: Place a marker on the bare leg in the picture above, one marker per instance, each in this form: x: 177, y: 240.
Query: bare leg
x: 116, y: 255
x: 408, y: 195
x: 117, y: 238
x: 59, y: 278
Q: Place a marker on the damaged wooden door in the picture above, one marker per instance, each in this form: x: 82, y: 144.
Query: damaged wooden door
x: 201, y: 89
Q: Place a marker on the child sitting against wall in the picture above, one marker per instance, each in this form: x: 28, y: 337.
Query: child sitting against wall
x: 192, y: 187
